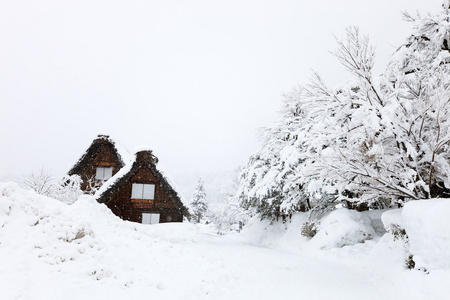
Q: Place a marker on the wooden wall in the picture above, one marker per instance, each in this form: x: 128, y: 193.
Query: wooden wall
x: 121, y: 204
x: 100, y: 154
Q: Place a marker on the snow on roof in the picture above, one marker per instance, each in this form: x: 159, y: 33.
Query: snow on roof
x: 121, y: 150
x: 142, y: 148
x: 128, y: 165
x: 161, y: 168
x: 122, y: 172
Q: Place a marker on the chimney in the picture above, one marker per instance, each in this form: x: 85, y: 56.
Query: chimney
x: 146, y: 156
x: 101, y: 139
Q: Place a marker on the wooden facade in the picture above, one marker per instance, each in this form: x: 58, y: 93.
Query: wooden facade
x: 162, y: 203
x: 102, y: 153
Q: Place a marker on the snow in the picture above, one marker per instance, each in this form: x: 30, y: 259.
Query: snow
x: 50, y: 250
x: 393, y: 219
x: 142, y: 148
x: 342, y: 227
x: 130, y: 159
x: 163, y: 170
x: 276, y: 234
x: 110, y: 182
x: 121, y: 149
x: 427, y: 224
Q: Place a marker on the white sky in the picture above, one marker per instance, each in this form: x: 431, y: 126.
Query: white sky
x: 191, y: 79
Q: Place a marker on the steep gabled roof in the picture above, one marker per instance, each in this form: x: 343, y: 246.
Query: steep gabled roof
x: 88, y: 157
x: 143, y: 158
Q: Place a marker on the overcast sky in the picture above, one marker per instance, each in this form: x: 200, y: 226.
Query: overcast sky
x: 193, y: 80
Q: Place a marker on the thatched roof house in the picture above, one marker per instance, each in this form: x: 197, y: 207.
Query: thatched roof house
x: 139, y: 192
x: 98, y: 164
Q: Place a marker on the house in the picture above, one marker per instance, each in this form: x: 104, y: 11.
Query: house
x: 139, y: 192
x: 98, y: 164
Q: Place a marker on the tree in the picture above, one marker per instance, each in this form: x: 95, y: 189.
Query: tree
x: 392, y: 139
x: 199, y: 202
x: 419, y: 75
x: 227, y: 216
x: 40, y: 181
x: 355, y: 154
x: 268, y: 183
x: 373, y: 140
x: 67, y: 189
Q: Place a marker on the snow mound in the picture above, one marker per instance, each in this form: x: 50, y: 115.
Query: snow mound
x: 392, y: 219
x: 42, y: 224
x: 427, y: 223
x: 342, y: 227
x: 276, y: 233
x: 426, y: 226
x: 50, y: 250
x: 43, y: 237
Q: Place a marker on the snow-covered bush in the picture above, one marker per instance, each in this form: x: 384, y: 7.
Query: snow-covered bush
x: 227, y: 217
x: 273, y: 233
x: 67, y: 189
x: 342, y: 227
x: 310, y: 228
x: 394, y: 225
x: 41, y: 182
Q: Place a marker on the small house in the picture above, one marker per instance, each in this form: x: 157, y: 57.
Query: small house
x: 139, y: 192
x: 99, y: 163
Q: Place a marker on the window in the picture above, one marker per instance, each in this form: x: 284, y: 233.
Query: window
x: 143, y: 191
x: 148, y: 218
x: 103, y: 173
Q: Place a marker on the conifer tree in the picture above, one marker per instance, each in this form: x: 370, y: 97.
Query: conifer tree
x: 199, y: 202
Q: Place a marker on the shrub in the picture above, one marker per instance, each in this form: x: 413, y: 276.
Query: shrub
x: 309, y: 229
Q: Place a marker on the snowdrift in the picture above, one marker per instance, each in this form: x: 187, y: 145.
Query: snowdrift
x: 427, y: 226
x: 63, y: 247
x: 51, y: 250
x: 339, y: 228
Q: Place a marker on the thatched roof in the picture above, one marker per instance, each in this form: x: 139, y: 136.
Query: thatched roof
x: 88, y: 157
x: 143, y: 159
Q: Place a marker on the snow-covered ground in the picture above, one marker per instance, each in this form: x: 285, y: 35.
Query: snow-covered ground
x: 50, y: 250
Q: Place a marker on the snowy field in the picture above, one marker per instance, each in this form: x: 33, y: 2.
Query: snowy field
x: 50, y: 250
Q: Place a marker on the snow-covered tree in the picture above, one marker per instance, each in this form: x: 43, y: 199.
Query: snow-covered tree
x: 375, y: 140
x: 199, y: 202
x: 228, y: 216
x: 390, y: 140
x: 41, y: 182
x: 354, y: 152
x: 67, y: 189
x: 419, y: 77
x: 267, y: 183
